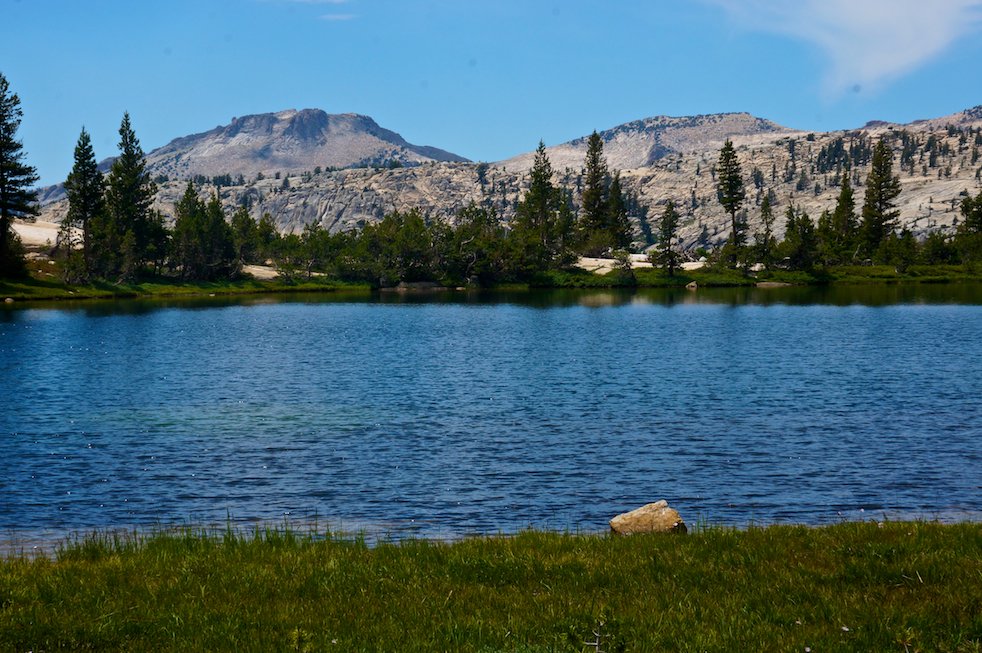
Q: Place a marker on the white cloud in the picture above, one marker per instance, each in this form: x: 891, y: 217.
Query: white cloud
x: 335, y: 17
x: 868, y: 42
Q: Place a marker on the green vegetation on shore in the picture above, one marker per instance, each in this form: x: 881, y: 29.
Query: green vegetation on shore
x: 847, y: 587
x: 48, y: 288
x: 35, y: 289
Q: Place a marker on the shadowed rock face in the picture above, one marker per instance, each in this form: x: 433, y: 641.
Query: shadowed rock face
x: 289, y: 142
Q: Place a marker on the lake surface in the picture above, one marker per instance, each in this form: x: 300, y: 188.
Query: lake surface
x: 453, y: 414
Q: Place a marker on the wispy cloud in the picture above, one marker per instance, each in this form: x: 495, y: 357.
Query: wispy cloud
x: 869, y: 43
x: 336, y: 17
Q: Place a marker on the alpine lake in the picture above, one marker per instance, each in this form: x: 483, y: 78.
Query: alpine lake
x: 442, y: 415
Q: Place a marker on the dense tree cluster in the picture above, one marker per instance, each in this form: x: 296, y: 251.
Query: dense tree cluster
x: 122, y: 237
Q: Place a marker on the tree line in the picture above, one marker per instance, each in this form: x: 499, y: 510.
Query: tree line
x: 112, y: 232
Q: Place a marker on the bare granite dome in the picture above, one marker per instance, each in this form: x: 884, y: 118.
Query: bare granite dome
x: 289, y: 141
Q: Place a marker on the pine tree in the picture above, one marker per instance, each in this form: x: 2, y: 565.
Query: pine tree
x: 764, y: 241
x: 668, y: 227
x: 218, y: 242
x: 879, y: 211
x: 968, y: 237
x: 594, y: 210
x: 844, y: 227
x: 18, y: 199
x: 731, y: 194
x: 536, y: 215
x: 129, y: 197
x: 244, y: 232
x: 188, y: 224
x: 618, y: 223
x: 204, y: 247
x: 85, y: 188
x: 800, y: 244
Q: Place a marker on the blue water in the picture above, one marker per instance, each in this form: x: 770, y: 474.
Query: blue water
x: 443, y: 417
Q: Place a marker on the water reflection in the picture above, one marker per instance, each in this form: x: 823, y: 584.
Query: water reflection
x: 847, y: 295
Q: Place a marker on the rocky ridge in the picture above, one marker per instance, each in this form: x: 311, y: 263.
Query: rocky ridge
x: 659, y: 158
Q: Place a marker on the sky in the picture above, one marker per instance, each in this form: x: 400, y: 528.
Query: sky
x: 486, y: 79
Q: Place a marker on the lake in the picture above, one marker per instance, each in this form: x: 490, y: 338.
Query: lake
x: 460, y: 413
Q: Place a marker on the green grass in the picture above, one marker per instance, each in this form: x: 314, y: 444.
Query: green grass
x: 44, y: 285
x: 35, y: 289
x: 847, y: 587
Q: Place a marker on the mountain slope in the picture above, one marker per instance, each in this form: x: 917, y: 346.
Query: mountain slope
x: 938, y: 161
x: 644, y: 142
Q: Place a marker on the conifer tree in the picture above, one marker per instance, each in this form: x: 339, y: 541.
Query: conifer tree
x: 129, y: 197
x: 85, y: 188
x: 800, y: 244
x: 668, y: 227
x: 968, y: 237
x: 618, y: 223
x: 731, y: 193
x: 879, y: 211
x: 188, y: 225
x: 536, y: 215
x: 594, y: 210
x: 18, y: 199
x: 844, y: 227
x: 204, y: 248
x: 764, y: 241
x: 244, y: 232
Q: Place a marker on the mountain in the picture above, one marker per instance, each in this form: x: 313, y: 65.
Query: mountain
x: 289, y: 142
x: 662, y: 158
x: 643, y: 143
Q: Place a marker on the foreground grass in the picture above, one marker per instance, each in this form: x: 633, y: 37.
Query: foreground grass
x: 848, y: 587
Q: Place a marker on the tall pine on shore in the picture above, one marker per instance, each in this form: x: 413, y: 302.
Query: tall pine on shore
x: 18, y: 199
x: 593, y: 211
x: 129, y: 234
x: 536, y: 218
x: 668, y: 226
x: 731, y: 194
x: 603, y: 223
x: 879, y: 211
x: 86, y: 189
x: 844, y: 226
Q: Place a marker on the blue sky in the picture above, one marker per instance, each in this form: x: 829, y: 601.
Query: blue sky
x: 485, y: 79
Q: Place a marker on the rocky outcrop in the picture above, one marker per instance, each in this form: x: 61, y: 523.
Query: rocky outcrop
x: 654, y: 517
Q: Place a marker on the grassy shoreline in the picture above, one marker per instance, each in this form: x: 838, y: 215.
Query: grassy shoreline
x: 48, y: 289
x: 34, y: 289
x: 900, y: 586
